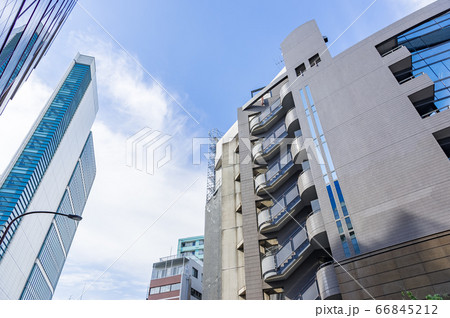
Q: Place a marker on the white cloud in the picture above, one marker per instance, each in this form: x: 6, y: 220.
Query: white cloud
x: 124, y: 202
x: 402, y: 8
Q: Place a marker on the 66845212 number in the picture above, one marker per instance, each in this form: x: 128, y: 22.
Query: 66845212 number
x: 406, y: 309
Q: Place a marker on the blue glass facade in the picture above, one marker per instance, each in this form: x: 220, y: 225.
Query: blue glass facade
x: 27, y: 29
x: 52, y: 255
x: 37, y: 287
x: 20, y: 184
x: 429, y: 44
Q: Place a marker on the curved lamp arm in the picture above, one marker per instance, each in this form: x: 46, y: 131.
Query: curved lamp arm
x: 70, y: 216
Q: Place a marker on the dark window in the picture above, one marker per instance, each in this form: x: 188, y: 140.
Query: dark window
x: 423, y: 101
x: 445, y: 145
x: 313, y: 61
x: 299, y: 70
x: 443, y: 138
x: 194, y: 272
x: 196, y: 294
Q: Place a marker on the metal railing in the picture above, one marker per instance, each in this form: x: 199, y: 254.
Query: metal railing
x: 393, y: 50
x: 324, y: 265
x: 315, y: 206
x: 311, y: 292
x: 410, y: 78
x: 266, y: 114
x: 279, y: 168
x: 285, y: 203
x: 291, y: 249
x: 435, y: 111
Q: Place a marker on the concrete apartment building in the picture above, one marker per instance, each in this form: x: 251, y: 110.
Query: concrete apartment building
x: 176, y: 277
x: 191, y: 246
x: 53, y: 170
x: 334, y: 181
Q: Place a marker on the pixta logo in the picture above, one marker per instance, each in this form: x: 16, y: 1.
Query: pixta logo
x: 148, y: 150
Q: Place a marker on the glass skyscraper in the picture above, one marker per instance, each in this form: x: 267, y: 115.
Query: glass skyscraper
x: 27, y: 29
x: 53, y: 170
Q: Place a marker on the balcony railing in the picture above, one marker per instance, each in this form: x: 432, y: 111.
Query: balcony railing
x: 436, y: 111
x: 273, y: 139
x: 311, y: 292
x: 316, y: 226
x: 291, y: 121
x: 262, y: 119
x: 410, y: 78
x: 284, y: 90
x: 391, y: 51
x: 274, y: 264
x: 305, y: 180
x: 279, y: 168
x: 265, y: 149
x: 282, y: 207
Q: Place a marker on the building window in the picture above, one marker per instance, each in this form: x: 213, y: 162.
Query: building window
x: 429, y: 44
x: 175, y: 287
x: 201, y: 242
x: 443, y: 139
x: 176, y: 270
x: 345, y: 246
x: 445, y: 145
x: 196, y: 294
x: 354, y: 242
x: 314, y: 61
x: 165, y: 289
x: 187, y: 253
x: 299, y: 70
x: 154, y: 290
x: 194, y: 272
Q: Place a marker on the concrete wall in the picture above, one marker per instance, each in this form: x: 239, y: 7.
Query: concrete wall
x: 232, y: 260
x: 420, y: 266
x: 389, y: 165
x: 223, y: 262
x: 212, y: 280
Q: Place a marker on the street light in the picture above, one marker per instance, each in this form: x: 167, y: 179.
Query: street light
x: 70, y: 216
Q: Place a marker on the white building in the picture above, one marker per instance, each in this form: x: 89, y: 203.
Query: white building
x: 53, y: 170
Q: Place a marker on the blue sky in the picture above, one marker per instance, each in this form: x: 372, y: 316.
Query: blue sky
x: 209, y: 55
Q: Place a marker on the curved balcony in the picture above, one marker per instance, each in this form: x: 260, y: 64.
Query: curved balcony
x: 267, y: 118
x: 298, y: 149
x: 257, y: 153
x: 278, y: 172
x: 291, y: 120
x: 286, y: 96
x: 327, y: 282
x: 273, y: 218
x: 282, y: 262
x: 268, y: 147
x: 316, y: 227
x: 268, y: 266
x: 305, y: 183
x: 260, y: 182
